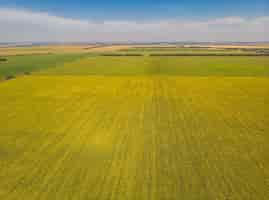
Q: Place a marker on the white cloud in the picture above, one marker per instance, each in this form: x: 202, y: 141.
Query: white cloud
x: 23, y: 25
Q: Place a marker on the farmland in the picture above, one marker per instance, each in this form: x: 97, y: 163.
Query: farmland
x: 181, y: 66
x: 57, y: 49
x: 167, y: 50
x: 146, y: 128
x: 215, y: 50
x: 18, y: 65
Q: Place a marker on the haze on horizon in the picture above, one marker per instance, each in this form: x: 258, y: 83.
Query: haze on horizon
x: 137, y: 21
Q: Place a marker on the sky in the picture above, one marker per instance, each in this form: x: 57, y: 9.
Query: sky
x: 134, y: 21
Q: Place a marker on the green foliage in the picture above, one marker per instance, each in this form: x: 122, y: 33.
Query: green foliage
x: 3, y: 59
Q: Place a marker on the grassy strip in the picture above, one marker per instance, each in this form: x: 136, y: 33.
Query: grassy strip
x: 209, y: 54
x: 116, y: 54
x: 180, y: 49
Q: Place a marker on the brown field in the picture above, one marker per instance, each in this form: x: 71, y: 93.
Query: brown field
x: 46, y: 49
x: 65, y: 49
x: 54, y: 49
x: 109, y: 48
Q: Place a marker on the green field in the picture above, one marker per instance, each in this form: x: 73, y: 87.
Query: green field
x: 17, y: 65
x: 137, y: 128
x: 183, y: 66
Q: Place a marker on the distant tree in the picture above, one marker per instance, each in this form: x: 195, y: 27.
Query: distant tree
x: 3, y: 59
x: 27, y: 73
x: 9, y: 77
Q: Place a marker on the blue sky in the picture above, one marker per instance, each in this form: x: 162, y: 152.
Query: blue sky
x: 144, y: 9
x: 134, y: 21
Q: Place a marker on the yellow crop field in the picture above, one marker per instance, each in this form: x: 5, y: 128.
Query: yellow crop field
x: 134, y: 100
x: 134, y: 137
